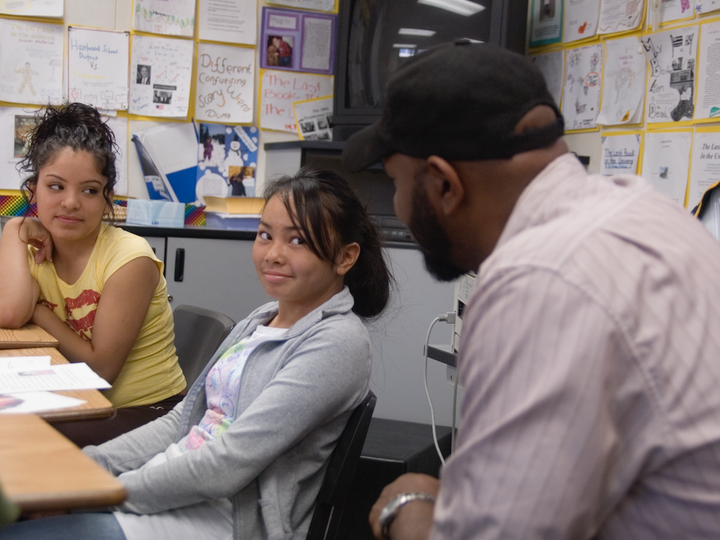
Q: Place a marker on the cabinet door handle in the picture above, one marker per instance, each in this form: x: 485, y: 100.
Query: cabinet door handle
x: 179, y: 264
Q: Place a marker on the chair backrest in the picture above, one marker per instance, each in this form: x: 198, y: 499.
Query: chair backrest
x: 337, y: 483
x: 198, y: 333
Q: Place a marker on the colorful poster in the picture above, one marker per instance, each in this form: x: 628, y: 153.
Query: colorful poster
x: 581, y: 91
x: 33, y: 8
x: 175, y: 18
x: 31, y: 56
x: 624, y: 77
x: 231, y: 21
x: 708, y: 98
x: 298, y: 41
x: 620, y: 153
x: 666, y: 159
x: 225, y: 84
x: 581, y: 19
x: 160, y: 76
x: 227, y: 161
x: 97, y: 67
x: 620, y: 15
x: 280, y: 89
x: 671, y: 55
x: 546, y: 22
x: 552, y: 65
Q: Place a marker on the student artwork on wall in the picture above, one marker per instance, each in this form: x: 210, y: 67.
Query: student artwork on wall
x: 175, y: 18
x: 666, y: 158
x: 706, y: 6
x: 317, y: 5
x: 708, y: 86
x: 676, y: 10
x: 97, y: 67
x: 225, y: 84
x: 33, y: 8
x: 231, y: 21
x: 620, y: 153
x: 581, y: 90
x: 160, y: 76
x: 15, y: 123
x: 552, y: 65
x: 581, y: 19
x: 671, y: 86
x: 620, y: 15
x: 298, y: 41
x: 280, y: 89
x: 705, y: 163
x: 546, y: 22
x: 31, y: 60
x: 623, y: 85
x: 227, y: 161
x: 313, y: 118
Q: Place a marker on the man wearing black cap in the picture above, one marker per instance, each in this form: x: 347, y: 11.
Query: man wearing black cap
x: 590, y: 350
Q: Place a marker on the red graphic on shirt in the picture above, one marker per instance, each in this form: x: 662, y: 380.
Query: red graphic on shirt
x: 84, y: 325
x: 47, y: 304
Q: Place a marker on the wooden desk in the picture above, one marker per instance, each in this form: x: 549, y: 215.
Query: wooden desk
x: 29, y: 335
x: 41, y: 470
x: 96, y: 405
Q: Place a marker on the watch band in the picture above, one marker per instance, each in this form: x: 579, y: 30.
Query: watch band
x: 390, y: 512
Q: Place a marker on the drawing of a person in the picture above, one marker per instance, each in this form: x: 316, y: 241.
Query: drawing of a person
x: 207, y: 149
x: 27, y: 74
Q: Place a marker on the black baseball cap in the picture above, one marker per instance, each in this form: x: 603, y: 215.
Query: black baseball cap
x: 460, y: 101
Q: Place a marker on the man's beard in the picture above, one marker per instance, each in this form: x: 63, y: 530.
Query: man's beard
x: 431, y: 237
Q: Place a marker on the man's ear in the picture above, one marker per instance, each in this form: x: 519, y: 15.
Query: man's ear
x: 444, y: 185
x: 347, y: 258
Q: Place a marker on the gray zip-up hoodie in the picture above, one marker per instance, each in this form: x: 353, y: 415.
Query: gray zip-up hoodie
x: 295, y: 397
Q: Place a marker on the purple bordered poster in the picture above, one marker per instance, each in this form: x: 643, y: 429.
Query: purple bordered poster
x: 298, y: 40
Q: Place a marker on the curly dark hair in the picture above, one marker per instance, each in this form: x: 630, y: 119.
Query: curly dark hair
x: 323, y: 206
x: 71, y: 125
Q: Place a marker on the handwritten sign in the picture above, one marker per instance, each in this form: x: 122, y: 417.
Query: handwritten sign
x: 620, y: 154
x: 225, y: 76
x: 280, y: 89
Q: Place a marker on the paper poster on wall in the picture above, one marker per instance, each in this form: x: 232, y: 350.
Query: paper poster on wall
x: 620, y: 154
x: 31, y: 60
x: 581, y: 19
x: 313, y: 118
x: 581, y: 91
x: 160, y: 76
x: 231, y: 21
x: 225, y: 84
x: 227, y: 161
x: 280, y: 89
x: 623, y: 83
x: 15, y: 123
x: 546, y: 22
x: 708, y: 88
x: 705, y: 164
x: 97, y: 67
x: 296, y: 40
x: 174, y: 18
x: 671, y: 55
x: 676, y: 10
x: 706, y: 6
x: 32, y: 8
x: 317, y: 5
x: 119, y: 125
x: 666, y: 159
x: 620, y: 15
x: 552, y: 65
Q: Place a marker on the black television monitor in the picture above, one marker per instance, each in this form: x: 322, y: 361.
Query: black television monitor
x: 375, y: 37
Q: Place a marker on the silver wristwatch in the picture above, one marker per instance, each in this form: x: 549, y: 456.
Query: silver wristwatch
x: 390, y: 512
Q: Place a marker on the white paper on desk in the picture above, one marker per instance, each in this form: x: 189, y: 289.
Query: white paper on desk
x: 17, y: 363
x: 32, y: 402
x: 63, y: 377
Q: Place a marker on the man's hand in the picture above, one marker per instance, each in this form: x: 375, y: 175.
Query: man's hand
x: 415, y: 519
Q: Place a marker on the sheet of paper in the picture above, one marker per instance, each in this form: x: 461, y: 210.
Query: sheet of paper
x: 15, y: 122
x: 581, y: 19
x: 623, y: 82
x: 232, y: 21
x: 620, y: 154
x: 175, y: 18
x: 546, y: 22
x: 24, y: 362
x: 280, y: 89
x: 705, y: 164
x: 706, y: 6
x: 63, y: 377
x: 708, y: 88
x: 172, y: 146
x: 552, y: 65
x: 676, y: 10
x: 671, y: 55
x: 97, y: 67
x: 225, y: 84
x: 31, y: 56
x: 666, y: 159
x: 33, y: 402
x: 33, y: 8
x: 160, y: 75
x: 318, y: 5
x: 119, y: 125
x: 312, y: 118
x: 620, y: 15
x: 581, y: 91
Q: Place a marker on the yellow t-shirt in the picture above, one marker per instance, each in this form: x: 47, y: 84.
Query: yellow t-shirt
x: 151, y: 372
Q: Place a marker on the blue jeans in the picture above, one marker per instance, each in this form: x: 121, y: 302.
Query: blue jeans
x: 85, y: 526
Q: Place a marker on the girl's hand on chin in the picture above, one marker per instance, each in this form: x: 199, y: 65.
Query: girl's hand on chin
x: 34, y: 233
